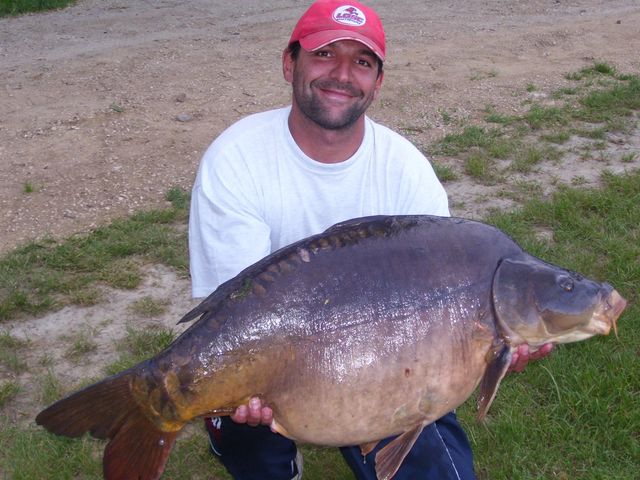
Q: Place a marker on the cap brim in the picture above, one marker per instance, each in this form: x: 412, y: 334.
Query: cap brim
x: 323, y: 38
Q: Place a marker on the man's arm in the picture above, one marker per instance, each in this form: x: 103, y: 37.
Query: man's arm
x: 226, y: 230
x: 226, y: 234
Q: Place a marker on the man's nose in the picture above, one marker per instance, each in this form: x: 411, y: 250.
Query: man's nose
x: 342, y: 70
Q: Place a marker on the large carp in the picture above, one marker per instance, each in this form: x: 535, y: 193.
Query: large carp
x: 399, y: 317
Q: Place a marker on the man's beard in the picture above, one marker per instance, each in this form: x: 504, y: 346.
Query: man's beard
x: 312, y: 107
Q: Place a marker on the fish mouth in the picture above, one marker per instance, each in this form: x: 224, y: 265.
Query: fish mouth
x: 606, y: 315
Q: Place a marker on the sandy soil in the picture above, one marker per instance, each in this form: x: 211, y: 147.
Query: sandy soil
x: 108, y: 104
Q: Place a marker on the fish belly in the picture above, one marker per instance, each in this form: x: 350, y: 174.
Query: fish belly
x: 348, y: 403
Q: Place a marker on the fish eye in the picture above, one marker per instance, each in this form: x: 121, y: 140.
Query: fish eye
x: 566, y: 283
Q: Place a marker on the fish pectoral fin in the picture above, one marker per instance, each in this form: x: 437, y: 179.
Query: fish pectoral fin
x: 276, y: 427
x: 493, y: 375
x: 389, y: 459
x: 367, y: 448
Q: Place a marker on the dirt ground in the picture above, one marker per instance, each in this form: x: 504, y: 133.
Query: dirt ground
x: 108, y: 104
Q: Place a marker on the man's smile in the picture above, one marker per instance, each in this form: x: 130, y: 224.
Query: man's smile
x: 335, y: 90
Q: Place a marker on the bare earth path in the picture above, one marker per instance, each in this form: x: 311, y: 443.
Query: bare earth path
x: 90, y: 95
x: 106, y: 105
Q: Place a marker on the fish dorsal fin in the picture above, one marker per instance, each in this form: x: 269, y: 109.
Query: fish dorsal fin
x: 496, y: 370
x: 389, y: 459
x: 355, y: 222
x: 367, y: 448
x: 212, y: 302
x: 298, y: 253
x: 243, y: 281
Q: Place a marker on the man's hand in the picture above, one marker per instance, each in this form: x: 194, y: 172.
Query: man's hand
x: 521, y: 356
x: 253, y: 414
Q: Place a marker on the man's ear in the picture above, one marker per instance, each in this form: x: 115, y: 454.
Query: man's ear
x: 378, y: 84
x: 287, y: 65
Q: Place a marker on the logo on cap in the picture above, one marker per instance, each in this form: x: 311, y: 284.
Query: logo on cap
x: 348, y: 15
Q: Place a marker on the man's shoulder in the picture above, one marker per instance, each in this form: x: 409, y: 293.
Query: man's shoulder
x: 253, y: 124
x: 246, y: 141
x: 386, y: 134
x: 391, y: 144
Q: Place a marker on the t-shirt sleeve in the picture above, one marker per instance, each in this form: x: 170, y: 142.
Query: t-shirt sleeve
x: 227, y: 232
x: 420, y: 190
x: 428, y: 196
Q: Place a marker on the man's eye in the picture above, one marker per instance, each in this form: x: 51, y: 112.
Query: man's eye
x: 322, y: 54
x: 364, y: 63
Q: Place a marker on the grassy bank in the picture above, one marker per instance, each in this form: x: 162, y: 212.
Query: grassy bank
x: 17, y: 7
x: 574, y: 415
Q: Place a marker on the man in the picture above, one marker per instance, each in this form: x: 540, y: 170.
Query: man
x: 279, y: 176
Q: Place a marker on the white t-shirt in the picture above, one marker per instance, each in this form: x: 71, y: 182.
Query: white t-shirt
x: 256, y: 191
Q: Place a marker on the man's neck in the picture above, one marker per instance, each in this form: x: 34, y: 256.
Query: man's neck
x: 324, y: 145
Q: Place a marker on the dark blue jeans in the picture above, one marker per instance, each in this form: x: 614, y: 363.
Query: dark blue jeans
x: 441, y: 452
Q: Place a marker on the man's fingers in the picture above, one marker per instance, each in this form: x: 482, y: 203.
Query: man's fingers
x: 253, y: 414
x: 240, y: 415
x: 267, y: 416
x: 542, y: 352
x: 521, y: 357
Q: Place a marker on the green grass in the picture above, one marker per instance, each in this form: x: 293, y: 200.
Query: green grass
x: 470, y: 137
x: 149, y: 307
x: 8, y: 390
x: 539, y: 117
x: 138, y: 345
x: 597, y: 133
x: 526, y: 159
x: 56, y: 458
x: 564, y: 91
x: 114, y: 107
x: 11, y: 353
x: 49, y: 274
x: 481, y: 167
x: 51, y: 388
x: 179, y: 199
x: 601, y: 102
x: 447, y: 118
x: 617, y: 101
x: 445, y: 173
x: 557, y: 137
x: 495, y: 117
x: 16, y: 7
x: 599, y: 68
x: 82, y: 344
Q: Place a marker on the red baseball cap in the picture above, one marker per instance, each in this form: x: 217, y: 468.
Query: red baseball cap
x: 327, y: 21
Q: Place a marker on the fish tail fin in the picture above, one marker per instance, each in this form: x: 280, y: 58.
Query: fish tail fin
x: 137, y: 449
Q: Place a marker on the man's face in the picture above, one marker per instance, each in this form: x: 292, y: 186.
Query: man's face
x: 334, y: 85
